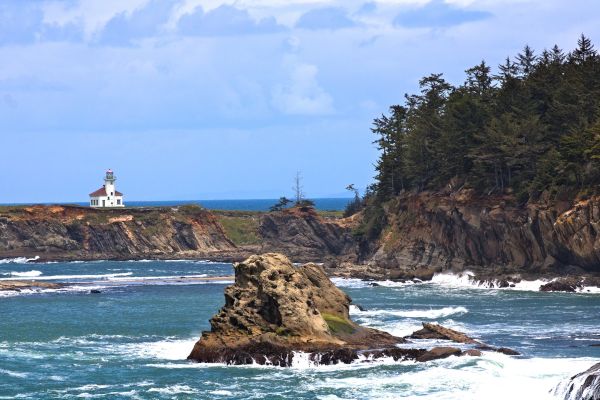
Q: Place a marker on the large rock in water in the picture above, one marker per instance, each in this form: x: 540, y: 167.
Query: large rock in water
x: 583, y: 386
x: 275, y: 310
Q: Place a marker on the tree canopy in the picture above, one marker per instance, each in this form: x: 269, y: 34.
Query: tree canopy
x: 532, y: 127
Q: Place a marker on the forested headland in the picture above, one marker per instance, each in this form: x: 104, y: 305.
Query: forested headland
x: 529, y: 128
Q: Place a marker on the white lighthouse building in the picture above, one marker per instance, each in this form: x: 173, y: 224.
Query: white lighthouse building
x: 107, y: 195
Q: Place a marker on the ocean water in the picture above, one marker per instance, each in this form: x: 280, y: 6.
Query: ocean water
x: 131, y: 340
x: 327, y: 204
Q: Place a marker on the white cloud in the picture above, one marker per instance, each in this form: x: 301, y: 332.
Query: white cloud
x: 302, y: 94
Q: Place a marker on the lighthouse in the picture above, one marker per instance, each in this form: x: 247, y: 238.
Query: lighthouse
x: 107, y: 195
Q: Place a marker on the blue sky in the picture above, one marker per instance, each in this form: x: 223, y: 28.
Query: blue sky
x: 209, y: 99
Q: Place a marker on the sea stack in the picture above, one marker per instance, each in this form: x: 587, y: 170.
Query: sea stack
x: 275, y: 309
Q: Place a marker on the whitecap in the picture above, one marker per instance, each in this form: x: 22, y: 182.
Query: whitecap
x: 428, y: 314
x: 13, y: 373
x: 26, y: 274
x: 167, y: 349
x: 174, y: 389
x: 491, y: 376
x: 74, y: 277
x: 18, y: 260
x: 221, y: 392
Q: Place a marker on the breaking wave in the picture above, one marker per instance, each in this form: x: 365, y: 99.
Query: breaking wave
x: 429, y: 314
x: 18, y: 260
x: 25, y: 274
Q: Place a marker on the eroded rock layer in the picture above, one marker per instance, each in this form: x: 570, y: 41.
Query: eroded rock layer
x: 70, y: 232
x: 275, y: 309
x: 429, y: 232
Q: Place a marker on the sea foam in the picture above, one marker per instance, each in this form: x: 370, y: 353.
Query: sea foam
x: 24, y: 274
x: 428, y: 314
x: 18, y: 260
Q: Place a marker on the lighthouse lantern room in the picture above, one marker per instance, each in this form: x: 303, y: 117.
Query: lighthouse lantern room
x: 107, y: 195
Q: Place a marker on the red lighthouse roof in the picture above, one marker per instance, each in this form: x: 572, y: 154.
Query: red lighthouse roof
x: 102, y: 192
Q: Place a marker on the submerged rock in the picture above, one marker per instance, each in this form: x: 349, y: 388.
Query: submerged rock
x: 583, y: 386
x: 275, y: 310
x: 570, y: 284
x: 439, y: 352
x: 435, y: 331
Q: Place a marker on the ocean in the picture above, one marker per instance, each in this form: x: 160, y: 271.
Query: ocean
x: 325, y: 204
x: 131, y: 340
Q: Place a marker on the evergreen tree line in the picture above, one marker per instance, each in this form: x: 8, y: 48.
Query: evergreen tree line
x: 531, y: 128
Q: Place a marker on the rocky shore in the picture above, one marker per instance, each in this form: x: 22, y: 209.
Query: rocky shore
x: 500, y: 242
x: 56, y: 233
x: 491, y: 236
x: 276, y: 310
x: 22, y: 285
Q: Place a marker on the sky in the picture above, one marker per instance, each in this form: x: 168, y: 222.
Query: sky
x: 226, y: 99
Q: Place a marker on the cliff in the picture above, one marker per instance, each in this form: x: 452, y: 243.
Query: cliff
x: 431, y: 232
x: 422, y: 234
x: 80, y: 233
x: 304, y: 235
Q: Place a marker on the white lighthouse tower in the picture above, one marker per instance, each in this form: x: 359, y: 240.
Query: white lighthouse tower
x: 107, y: 195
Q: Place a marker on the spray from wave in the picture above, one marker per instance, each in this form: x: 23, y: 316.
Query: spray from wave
x: 429, y: 314
x: 18, y: 260
x: 25, y: 274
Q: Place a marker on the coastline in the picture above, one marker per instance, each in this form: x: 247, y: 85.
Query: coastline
x: 356, y: 278
x: 442, y: 229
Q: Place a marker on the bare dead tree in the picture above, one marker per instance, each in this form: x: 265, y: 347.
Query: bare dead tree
x: 298, y: 188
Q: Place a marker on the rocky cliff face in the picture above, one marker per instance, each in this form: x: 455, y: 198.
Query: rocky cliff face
x: 431, y: 232
x: 303, y: 235
x: 274, y: 309
x: 69, y: 232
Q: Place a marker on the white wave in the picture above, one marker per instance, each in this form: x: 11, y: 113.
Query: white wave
x: 174, y: 389
x: 157, y: 277
x: 589, y: 289
x: 360, y: 283
x: 167, y: 349
x: 18, y: 260
x: 25, y: 274
x: 466, y: 281
x: 221, y: 393
x: 492, y: 376
x: 91, y: 386
x: 13, y: 373
x: 66, y: 289
x: 73, y: 277
x: 302, y: 361
x: 429, y: 314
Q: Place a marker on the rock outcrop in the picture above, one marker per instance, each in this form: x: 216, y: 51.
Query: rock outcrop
x: 275, y: 309
x: 492, y: 235
x: 71, y: 232
x: 583, y: 386
x: 17, y: 286
x: 435, y: 331
x: 303, y: 235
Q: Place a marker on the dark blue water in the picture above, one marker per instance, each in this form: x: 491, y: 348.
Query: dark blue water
x: 326, y: 204
x: 131, y: 340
